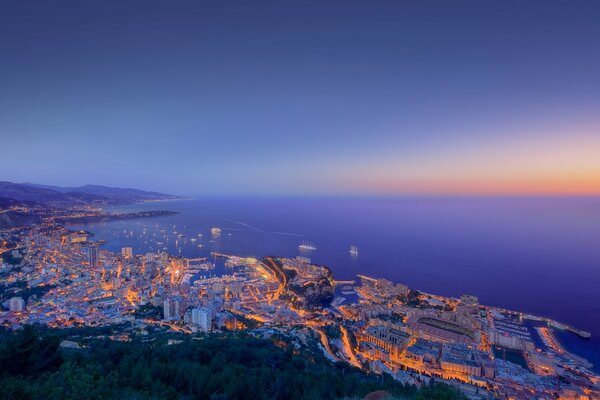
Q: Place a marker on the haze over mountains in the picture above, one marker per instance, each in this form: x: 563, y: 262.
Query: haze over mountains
x: 28, y: 194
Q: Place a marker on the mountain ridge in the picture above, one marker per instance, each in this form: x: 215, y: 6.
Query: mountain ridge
x: 77, y: 195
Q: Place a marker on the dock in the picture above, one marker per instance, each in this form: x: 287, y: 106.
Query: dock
x: 335, y: 283
x: 580, y: 333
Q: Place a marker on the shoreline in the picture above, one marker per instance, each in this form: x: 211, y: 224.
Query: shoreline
x: 526, y: 315
x: 162, y: 200
x: 583, y: 361
x: 118, y: 217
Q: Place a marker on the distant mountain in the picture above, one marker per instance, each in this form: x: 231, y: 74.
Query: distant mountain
x: 89, y: 194
x: 29, y: 193
x: 116, y: 194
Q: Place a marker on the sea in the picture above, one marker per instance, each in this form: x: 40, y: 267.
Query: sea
x: 539, y: 255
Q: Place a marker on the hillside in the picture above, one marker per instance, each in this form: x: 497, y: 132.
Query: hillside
x: 89, y: 194
x: 10, y: 219
x: 6, y: 202
x: 204, y: 367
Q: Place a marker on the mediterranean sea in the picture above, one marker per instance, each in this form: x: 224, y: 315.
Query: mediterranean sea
x: 539, y: 255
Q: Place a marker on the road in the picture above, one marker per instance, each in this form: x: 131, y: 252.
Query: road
x: 346, y: 340
x: 270, y: 264
x: 325, y: 343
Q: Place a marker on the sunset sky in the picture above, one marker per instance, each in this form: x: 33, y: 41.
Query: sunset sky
x: 309, y: 97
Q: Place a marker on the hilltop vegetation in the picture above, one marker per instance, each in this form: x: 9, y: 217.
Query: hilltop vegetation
x: 212, y: 367
x: 10, y: 219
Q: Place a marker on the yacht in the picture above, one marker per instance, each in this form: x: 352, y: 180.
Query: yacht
x: 307, y: 246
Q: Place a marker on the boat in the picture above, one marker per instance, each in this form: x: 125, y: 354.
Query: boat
x: 193, y: 239
x: 215, y: 231
x: 354, y: 250
x: 338, y: 301
x: 307, y: 246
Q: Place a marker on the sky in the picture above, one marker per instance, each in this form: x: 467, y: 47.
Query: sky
x: 303, y: 97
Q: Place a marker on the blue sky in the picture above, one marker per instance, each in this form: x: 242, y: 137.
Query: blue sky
x: 315, y: 97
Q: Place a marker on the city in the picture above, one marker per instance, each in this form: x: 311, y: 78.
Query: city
x: 61, y: 278
x: 299, y: 200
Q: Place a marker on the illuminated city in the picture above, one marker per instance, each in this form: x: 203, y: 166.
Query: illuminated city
x: 71, y: 281
x: 300, y: 200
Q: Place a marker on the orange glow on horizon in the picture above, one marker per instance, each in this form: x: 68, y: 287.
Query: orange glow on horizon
x: 517, y: 186
x: 557, y: 162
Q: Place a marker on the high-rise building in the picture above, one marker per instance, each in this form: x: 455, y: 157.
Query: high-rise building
x: 38, y: 238
x: 176, y: 309
x: 127, y: 252
x: 203, y: 318
x: 16, y: 304
x: 167, y: 310
x: 92, y: 256
x: 172, y: 309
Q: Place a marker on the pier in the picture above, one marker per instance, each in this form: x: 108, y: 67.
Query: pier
x: 580, y: 333
x: 366, y: 278
x: 336, y: 283
x: 551, y: 322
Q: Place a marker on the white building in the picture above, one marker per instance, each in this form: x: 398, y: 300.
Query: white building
x: 127, y: 252
x: 16, y: 304
x: 176, y: 309
x: 203, y: 318
x: 167, y: 310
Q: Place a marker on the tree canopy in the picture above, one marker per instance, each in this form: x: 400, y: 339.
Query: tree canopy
x: 32, y: 366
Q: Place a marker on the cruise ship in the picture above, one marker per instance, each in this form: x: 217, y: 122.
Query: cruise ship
x: 307, y: 246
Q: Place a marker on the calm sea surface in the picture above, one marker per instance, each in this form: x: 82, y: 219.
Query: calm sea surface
x: 537, y: 255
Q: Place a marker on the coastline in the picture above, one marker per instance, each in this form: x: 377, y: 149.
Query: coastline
x: 162, y: 200
x: 200, y: 221
x: 583, y: 361
x: 179, y: 237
